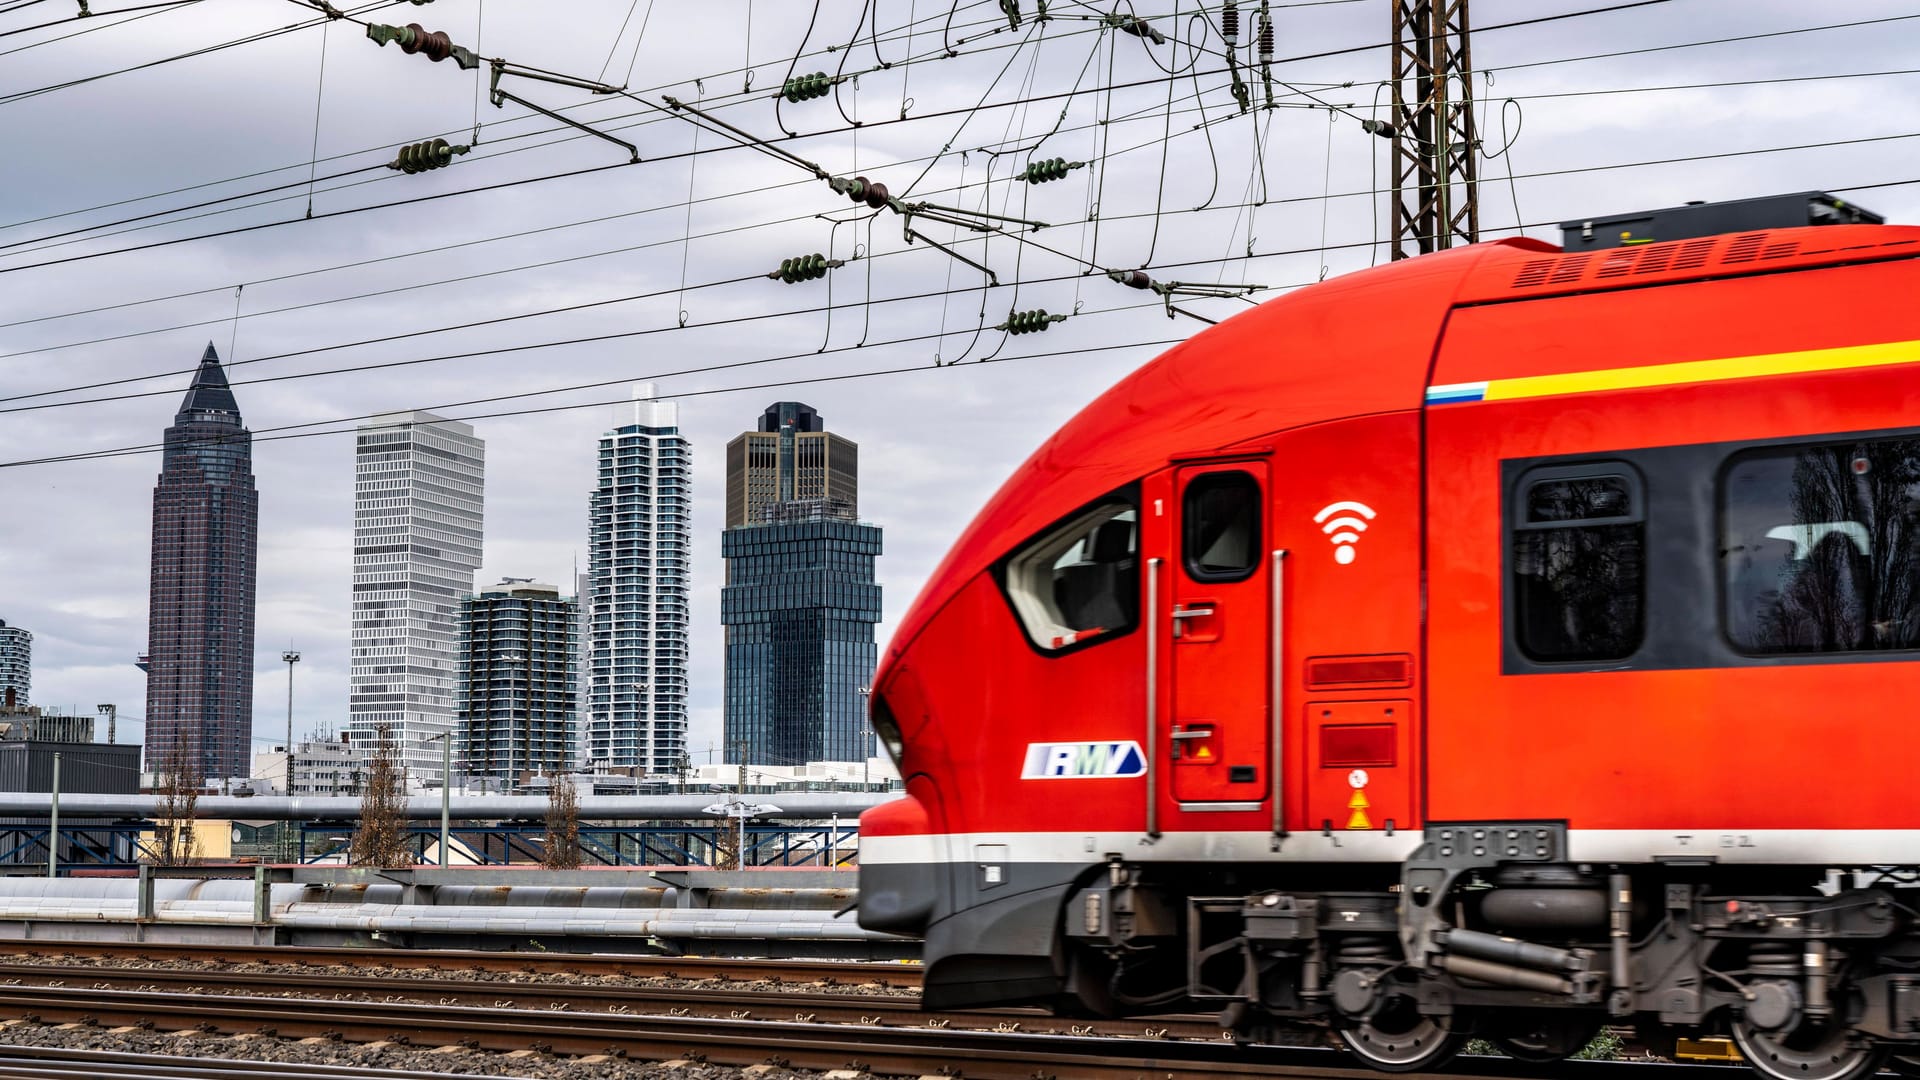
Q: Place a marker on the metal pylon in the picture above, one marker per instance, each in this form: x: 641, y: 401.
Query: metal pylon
x: 1436, y: 198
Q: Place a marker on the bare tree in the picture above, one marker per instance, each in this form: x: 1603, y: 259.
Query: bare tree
x: 180, y: 784
x: 562, y: 847
x: 381, y: 839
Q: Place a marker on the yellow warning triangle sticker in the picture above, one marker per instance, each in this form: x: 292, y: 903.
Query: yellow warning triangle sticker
x: 1358, y: 802
x: 1203, y: 754
x: 1359, y: 820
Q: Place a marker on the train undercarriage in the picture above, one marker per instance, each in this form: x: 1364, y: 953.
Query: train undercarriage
x: 1490, y: 932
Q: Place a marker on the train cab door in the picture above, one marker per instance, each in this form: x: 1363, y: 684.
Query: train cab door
x: 1216, y: 632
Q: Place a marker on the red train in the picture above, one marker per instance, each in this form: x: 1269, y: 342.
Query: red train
x: 1505, y: 642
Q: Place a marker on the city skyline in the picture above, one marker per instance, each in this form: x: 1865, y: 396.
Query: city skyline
x: 378, y: 286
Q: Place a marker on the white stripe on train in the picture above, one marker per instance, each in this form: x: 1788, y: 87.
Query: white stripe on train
x: 1813, y: 847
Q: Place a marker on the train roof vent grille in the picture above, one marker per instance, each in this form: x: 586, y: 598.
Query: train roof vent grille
x: 1571, y: 268
x: 1693, y: 253
x: 1618, y: 263
x: 1656, y: 257
x: 1745, y: 248
x: 1534, y: 273
x: 1781, y: 250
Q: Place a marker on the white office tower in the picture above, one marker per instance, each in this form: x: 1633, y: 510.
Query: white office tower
x: 637, y: 592
x: 416, y: 545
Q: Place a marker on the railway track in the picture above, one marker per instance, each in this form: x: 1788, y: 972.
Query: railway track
x: 559, y: 997
x: 886, y: 1050
x: 451, y: 961
x: 52, y: 1063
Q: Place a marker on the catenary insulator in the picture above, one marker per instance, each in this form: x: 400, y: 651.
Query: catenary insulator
x: 1230, y: 24
x: 863, y: 190
x: 1266, y: 40
x: 422, y: 156
x: 804, y: 87
x: 1039, y: 172
x: 1029, y: 322
x: 414, y: 38
x: 805, y: 268
x: 1011, y: 9
x: 1137, y: 26
x: 1132, y: 279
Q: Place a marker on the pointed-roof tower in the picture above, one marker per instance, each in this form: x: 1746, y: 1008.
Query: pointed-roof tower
x: 210, y: 392
x: 206, y: 523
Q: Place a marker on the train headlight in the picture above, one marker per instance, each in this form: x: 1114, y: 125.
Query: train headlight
x: 886, y: 727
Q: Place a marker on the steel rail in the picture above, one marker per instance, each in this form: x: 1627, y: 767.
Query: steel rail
x: 739, y: 1004
x: 459, y: 960
x: 60, y: 1063
x: 886, y: 1050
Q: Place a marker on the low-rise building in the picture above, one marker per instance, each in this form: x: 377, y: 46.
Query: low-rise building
x: 320, y: 767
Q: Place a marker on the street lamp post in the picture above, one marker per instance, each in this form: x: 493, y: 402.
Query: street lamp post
x: 446, y: 789
x: 292, y: 657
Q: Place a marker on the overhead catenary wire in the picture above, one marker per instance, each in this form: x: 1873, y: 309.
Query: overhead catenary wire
x: 1023, y: 239
x: 736, y: 99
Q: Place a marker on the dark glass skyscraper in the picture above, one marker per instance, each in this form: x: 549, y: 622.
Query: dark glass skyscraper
x: 519, y: 647
x: 800, y: 601
x: 206, y: 518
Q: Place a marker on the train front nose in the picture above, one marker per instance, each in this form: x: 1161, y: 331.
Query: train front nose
x: 900, y: 843
x: 898, y: 864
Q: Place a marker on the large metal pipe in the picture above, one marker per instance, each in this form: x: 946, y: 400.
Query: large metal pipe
x: 1486, y: 971
x: 1512, y: 951
x: 794, y: 806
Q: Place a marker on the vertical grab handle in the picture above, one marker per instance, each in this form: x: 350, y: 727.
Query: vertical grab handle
x: 1277, y: 694
x: 1153, y: 697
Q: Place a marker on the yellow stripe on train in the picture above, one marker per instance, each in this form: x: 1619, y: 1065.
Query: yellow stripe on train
x: 1696, y: 371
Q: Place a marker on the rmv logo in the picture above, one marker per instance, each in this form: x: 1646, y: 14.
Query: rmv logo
x: 1083, y: 760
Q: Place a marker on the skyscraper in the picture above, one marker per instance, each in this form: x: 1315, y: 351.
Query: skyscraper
x: 206, y: 517
x: 800, y: 601
x: 518, y: 646
x: 16, y: 666
x: 417, y: 523
x: 640, y: 530
x: 792, y: 458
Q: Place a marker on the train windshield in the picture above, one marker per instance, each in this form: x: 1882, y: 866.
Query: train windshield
x: 1820, y: 547
x: 1081, y: 580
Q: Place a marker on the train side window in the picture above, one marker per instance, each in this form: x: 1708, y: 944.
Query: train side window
x: 1579, y: 562
x: 1221, y: 534
x: 1820, y: 547
x: 1080, y: 580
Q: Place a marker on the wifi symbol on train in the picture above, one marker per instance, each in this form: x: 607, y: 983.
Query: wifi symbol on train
x: 1343, y: 522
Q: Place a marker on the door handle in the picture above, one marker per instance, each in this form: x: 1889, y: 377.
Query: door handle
x: 1204, y: 734
x: 1181, y: 613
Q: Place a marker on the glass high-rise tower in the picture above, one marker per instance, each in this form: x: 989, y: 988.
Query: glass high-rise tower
x: 417, y: 524
x: 800, y: 602
x: 518, y: 643
x: 640, y: 530
x: 206, y: 517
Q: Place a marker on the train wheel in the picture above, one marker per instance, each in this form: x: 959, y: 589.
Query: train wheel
x: 1808, y: 1052
x: 1544, y: 1037
x: 1399, y: 1039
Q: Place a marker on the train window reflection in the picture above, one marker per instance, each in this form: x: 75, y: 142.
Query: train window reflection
x: 1579, y: 555
x: 1079, y: 581
x: 1222, y: 526
x: 1820, y: 548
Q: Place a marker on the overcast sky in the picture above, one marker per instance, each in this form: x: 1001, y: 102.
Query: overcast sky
x: 937, y: 437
